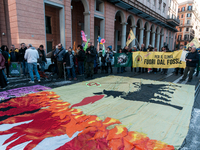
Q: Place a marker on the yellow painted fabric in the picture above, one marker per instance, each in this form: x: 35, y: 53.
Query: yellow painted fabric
x: 158, y: 59
x: 157, y: 121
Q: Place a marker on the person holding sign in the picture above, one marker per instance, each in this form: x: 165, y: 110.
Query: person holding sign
x: 143, y: 49
x: 192, y: 59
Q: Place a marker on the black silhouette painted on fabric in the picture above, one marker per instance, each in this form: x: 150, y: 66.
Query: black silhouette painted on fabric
x: 146, y: 93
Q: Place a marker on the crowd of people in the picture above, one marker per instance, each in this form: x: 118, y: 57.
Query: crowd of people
x: 81, y: 62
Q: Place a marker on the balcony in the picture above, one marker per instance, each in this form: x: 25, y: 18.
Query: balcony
x: 180, y: 40
x: 187, y: 24
x: 172, y: 20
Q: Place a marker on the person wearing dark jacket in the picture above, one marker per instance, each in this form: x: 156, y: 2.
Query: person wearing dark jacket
x: 6, y: 55
x: 192, y: 59
x: 54, y: 60
x: 125, y: 51
x: 69, y: 61
x: 90, y: 56
x: 21, y: 59
x: 164, y: 71
x: 143, y: 49
x: 59, y: 54
x: 13, y: 54
x: 42, y: 58
x: 109, y: 57
x: 81, y: 58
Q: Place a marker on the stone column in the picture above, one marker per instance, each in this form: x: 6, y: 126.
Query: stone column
x: 134, y: 32
x: 148, y: 38
x: 158, y: 41
x: 123, y: 40
x: 141, y: 36
x: 116, y: 39
x: 87, y: 23
x: 169, y: 43
x: 153, y: 39
x: 162, y: 40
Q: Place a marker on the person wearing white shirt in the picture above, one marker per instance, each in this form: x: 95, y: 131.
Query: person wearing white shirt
x: 31, y: 55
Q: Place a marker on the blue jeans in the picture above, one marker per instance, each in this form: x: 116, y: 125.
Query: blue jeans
x: 24, y: 67
x: 69, y: 72
x: 31, y: 67
x: 81, y: 67
x: 42, y: 65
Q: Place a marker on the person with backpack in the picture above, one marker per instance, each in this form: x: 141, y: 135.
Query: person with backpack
x: 81, y: 58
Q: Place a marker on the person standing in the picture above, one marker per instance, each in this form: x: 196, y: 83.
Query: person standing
x: 31, y: 55
x: 134, y: 50
x: 69, y: 60
x: 125, y: 51
x: 109, y: 58
x: 164, y: 71
x: 21, y: 59
x: 6, y: 55
x: 13, y: 54
x: 81, y: 58
x: 3, y: 82
x: 42, y: 58
x: 90, y: 56
x: 192, y: 58
x: 181, y: 69
x: 143, y: 49
x: 59, y: 54
x: 54, y: 60
x: 198, y: 65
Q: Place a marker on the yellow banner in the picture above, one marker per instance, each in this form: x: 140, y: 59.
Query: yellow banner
x: 130, y: 38
x: 193, y: 43
x: 158, y: 59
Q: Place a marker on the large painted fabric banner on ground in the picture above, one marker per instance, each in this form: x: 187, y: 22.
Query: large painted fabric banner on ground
x: 160, y: 110
x: 110, y: 113
x: 159, y: 59
x: 22, y: 91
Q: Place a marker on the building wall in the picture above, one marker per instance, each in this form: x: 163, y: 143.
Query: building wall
x: 53, y: 12
x: 26, y: 29
x: 4, y: 24
x: 194, y: 21
x: 32, y: 29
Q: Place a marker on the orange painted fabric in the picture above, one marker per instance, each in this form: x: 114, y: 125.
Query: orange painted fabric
x: 52, y: 117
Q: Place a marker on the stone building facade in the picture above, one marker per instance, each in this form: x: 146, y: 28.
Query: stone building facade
x: 49, y: 22
x: 189, y: 22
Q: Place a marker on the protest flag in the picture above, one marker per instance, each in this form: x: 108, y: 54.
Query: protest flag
x: 130, y: 38
x: 123, y: 60
x: 193, y: 43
